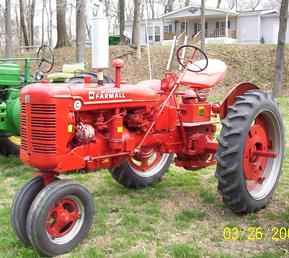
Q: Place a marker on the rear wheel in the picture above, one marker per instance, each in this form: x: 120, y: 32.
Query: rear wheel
x: 142, y: 170
x: 59, y: 217
x: 9, y: 146
x: 250, y: 153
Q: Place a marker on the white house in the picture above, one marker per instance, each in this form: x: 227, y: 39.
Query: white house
x: 222, y: 26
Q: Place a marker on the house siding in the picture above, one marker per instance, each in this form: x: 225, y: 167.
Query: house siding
x: 249, y: 29
x: 269, y: 29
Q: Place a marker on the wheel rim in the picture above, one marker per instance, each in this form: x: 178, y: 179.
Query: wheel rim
x: 262, y: 156
x: 65, y: 220
x: 148, y: 163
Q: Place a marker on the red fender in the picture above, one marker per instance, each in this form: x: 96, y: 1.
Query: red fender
x: 230, y: 98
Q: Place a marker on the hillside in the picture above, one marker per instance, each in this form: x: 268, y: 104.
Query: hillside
x: 253, y: 63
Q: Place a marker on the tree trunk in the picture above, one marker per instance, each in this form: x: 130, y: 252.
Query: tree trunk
x: 62, y: 37
x: 43, y: 22
x: 50, y: 17
x: 80, y: 30
x: 152, y: 7
x: 8, y: 29
x: 32, y: 14
x: 22, y: 23
x: 18, y: 30
x: 280, y: 53
x: 136, y: 23
x: 203, y: 25
x: 187, y: 2
x: 169, y: 6
x: 121, y: 17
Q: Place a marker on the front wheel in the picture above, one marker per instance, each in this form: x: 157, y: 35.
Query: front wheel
x: 142, y: 170
x: 21, y: 205
x: 59, y: 217
x: 250, y: 153
x: 9, y: 146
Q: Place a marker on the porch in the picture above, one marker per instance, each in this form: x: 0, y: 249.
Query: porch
x: 214, y: 28
x: 220, y: 23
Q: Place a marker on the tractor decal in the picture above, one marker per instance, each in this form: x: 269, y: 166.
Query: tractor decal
x: 106, y: 94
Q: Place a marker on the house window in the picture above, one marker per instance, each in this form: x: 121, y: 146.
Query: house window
x: 157, y: 33
x: 197, y: 27
x: 229, y: 24
x: 168, y: 28
x: 217, y: 25
x: 150, y: 33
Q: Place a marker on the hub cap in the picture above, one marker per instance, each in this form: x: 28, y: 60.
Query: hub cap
x: 261, y: 162
x: 65, y: 220
x: 148, y: 163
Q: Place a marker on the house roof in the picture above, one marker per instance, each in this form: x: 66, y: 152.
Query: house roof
x: 195, y: 11
x: 259, y: 12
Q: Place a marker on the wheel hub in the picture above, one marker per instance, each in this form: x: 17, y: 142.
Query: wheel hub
x: 62, y: 218
x: 257, y: 152
x: 145, y: 160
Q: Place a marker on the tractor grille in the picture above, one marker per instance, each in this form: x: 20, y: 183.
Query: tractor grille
x: 42, y: 128
x: 23, y: 132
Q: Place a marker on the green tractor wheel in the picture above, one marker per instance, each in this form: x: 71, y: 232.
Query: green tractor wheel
x: 9, y: 146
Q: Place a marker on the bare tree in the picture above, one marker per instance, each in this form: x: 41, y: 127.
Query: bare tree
x: 151, y: 4
x: 22, y: 23
x: 280, y: 53
x: 169, y: 6
x: 50, y: 15
x: 203, y: 25
x: 62, y: 37
x: 187, y: 2
x: 32, y: 15
x: 136, y: 23
x: 43, y: 21
x: 80, y: 30
x: 8, y: 29
x: 121, y: 18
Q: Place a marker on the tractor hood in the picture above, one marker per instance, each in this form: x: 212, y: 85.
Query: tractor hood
x: 92, y: 94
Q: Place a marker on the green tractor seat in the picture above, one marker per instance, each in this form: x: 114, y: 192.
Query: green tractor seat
x: 68, y: 71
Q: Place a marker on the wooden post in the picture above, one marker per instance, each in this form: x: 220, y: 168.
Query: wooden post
x: 203, y: 25
x: 227, y: 26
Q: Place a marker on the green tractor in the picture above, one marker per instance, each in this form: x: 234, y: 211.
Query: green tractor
x: 11, y: 81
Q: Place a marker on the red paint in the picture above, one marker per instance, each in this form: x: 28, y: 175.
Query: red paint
x: 230, y: 98
x: 257, y: 151
x: 122, y: 121
x: 117, y: 64
x: 62, y: 218
x: 87, y: 79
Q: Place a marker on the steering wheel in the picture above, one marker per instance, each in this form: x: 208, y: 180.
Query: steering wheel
x: 46, y: 59
x: 195, y: 61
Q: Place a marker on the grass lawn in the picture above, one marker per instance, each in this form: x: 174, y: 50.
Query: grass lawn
x: 181, y: 217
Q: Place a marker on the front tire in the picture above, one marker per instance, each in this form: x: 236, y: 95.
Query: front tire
x: 142, y: 171
x: 9, y: 147
x: 250, y: 152
x: 60, y: 217
x: 20, y: 207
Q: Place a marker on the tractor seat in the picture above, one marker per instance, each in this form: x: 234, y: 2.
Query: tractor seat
x: 212, y: 75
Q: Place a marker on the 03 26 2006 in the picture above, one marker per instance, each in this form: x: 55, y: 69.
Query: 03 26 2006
x: 256, y: 233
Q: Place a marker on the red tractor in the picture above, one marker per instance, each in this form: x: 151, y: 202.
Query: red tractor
x: 137, y: 131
